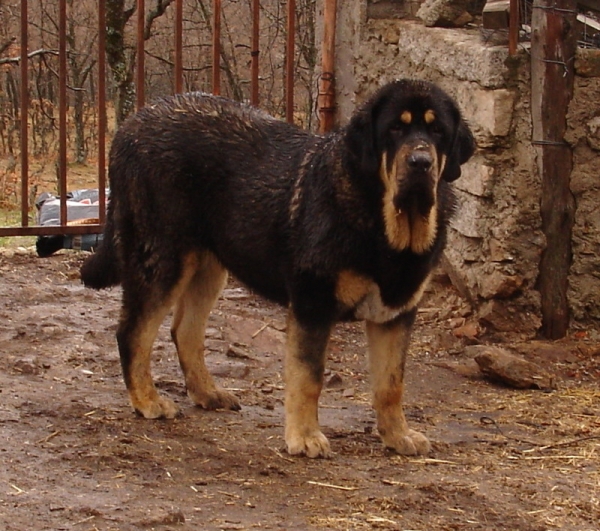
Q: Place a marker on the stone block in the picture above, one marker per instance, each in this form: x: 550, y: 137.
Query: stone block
x: 489, y: 112
x: 593, y: 133
x: 468, y: 219
x: 453, y: 53
x: 476, y: 178
x: 587, y: 62
x: 445, y: 13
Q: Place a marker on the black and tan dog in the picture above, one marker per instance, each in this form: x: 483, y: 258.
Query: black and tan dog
x: 343, y: 226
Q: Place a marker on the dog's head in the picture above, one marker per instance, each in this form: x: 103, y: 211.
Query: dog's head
x: 410, y: 136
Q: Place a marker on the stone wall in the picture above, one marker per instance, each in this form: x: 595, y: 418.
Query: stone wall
x: 495, y: 242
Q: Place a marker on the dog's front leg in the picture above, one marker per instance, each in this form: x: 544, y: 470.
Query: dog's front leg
x: 388, y: 347
x: 304, y: 366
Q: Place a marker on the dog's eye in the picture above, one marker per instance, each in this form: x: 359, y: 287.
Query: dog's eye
x: 397, y: 127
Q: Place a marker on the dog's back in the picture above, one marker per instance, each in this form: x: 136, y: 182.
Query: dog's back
x: 196, y: 171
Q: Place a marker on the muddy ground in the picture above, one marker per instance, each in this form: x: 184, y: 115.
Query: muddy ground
x: 73, y: 456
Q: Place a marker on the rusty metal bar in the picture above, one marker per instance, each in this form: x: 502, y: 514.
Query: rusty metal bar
x: 327, y: 79
x: 178, y: 46
x: 255, y: 51
x: 140, y: 88
x: 62, y: 109
x: 289, y: 63
x: 216, y: 66
x: 102, y: 112
x: 513, y: 27
x: 24, y: 117
x: 50, y: 230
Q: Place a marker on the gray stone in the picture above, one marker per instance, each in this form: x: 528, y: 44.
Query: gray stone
x: 444, y: 13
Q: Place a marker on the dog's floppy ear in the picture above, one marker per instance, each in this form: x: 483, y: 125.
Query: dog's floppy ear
x: 463, y: 147
x: 361, y: 139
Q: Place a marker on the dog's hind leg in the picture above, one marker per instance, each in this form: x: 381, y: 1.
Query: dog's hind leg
x: 144, y: 308
x: 188, y: 329
x: 304, y: 366
x: 388, y: 347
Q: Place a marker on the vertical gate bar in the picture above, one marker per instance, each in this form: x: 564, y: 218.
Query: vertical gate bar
x: 255, y: 51
x: 216, y: 67
x: 101, y: 112
x: 24, y: 117
x: 289, y: 61
x: 327, y: 78
x: 513, y: 27
x: 62, y: 109
x: 178, y: 46
x: 140, y: 89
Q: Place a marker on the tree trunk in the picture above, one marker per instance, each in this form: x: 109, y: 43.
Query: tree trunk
x: 553, y: 46
x: 120, y: 60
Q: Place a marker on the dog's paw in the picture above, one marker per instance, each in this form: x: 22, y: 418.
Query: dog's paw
x: 315, y: 444
x: 217, y: 399
x: 408, y: 443
x: 160, y: 407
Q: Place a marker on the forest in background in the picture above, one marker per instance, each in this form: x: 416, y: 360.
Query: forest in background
x: 159, y: 36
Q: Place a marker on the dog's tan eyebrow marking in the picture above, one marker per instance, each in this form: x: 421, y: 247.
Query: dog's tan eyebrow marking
x: 429, y: 116
x: 406, y: 117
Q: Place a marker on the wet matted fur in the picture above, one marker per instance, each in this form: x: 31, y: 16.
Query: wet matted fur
x: 343, y: 226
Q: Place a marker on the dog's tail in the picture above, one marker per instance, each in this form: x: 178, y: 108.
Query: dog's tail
x: 101, y: 269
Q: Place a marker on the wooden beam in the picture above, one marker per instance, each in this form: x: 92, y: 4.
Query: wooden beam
x: 553, y: 47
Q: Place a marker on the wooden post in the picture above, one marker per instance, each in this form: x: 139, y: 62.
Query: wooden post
x: 327, y: 79
x: 553, y: 46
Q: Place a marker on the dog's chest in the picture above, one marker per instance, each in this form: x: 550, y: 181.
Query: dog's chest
x: 362, y: 297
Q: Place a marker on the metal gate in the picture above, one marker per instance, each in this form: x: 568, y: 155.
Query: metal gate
x: 27, y: 226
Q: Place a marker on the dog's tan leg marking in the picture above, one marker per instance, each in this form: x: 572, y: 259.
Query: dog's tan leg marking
x: 305, y: 353
x: 188, y: 329
x: 351, y: 288
x: 142, y: 393
x: 388, y: 346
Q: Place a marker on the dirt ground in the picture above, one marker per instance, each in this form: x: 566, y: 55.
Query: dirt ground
x: 74, y: 456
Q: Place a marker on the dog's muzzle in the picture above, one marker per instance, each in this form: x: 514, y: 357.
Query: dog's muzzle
x: 417, y: 182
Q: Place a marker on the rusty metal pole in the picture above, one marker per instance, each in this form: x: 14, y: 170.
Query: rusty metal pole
x: 216, y: 67
x: 62, y: 109
x: 178, y: 46
x: 289, y: 62
x: 553, y: 47
x: 140, y: 88
x: 255, y: 51
x: 513, y: 27
x: 24, y: 117
x: 327, y: 79
x: 102, y: 112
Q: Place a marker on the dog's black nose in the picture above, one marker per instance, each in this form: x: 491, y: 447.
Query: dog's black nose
x: 420, y: 160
